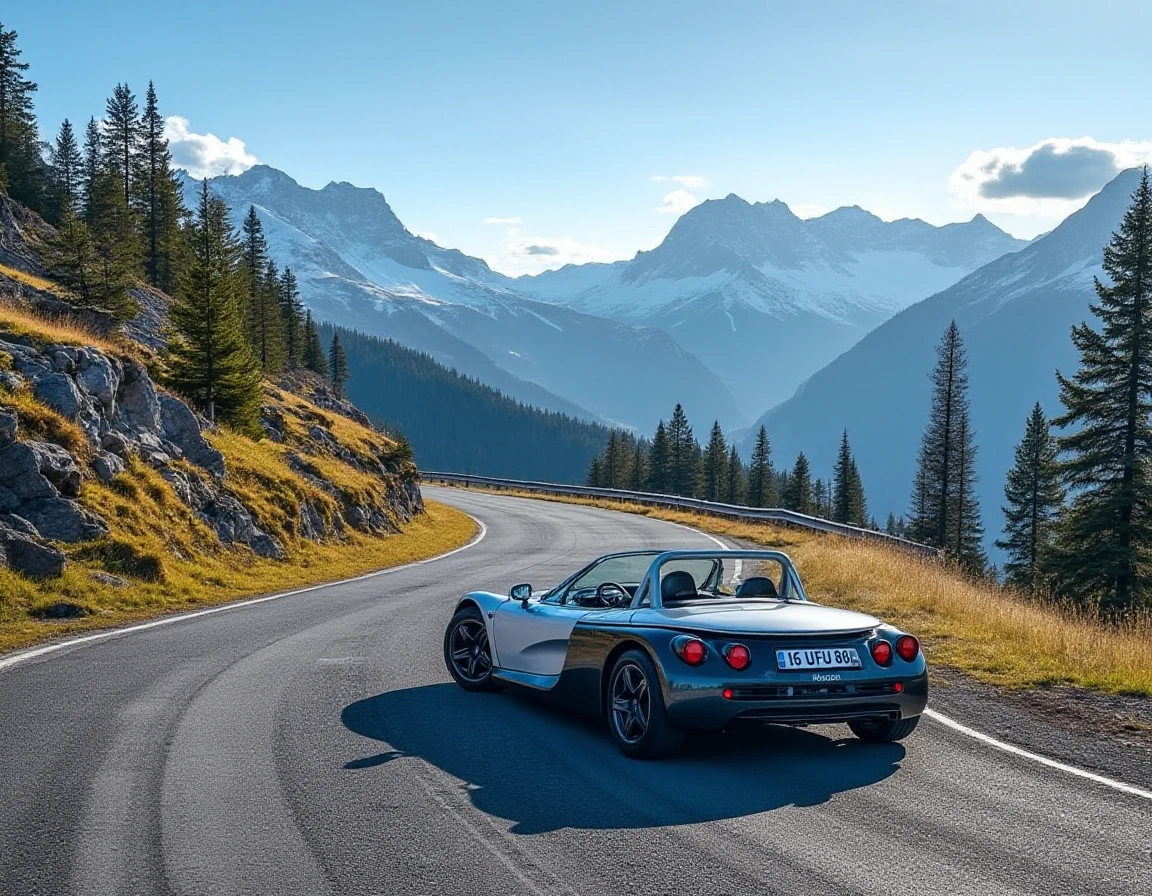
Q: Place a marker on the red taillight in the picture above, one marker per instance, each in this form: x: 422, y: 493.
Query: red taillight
x: 727, y: 692
x: 907, y: 648
x: 692, y: 651
x: 882, y: 653
x: 898, y: 688
x: 738, y: 657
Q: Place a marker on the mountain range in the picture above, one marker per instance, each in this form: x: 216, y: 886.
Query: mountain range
x: 766, y: 299
x: 359, y: 267
x: 1015, y: 315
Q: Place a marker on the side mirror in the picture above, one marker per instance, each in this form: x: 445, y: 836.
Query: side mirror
x: 521, y: 593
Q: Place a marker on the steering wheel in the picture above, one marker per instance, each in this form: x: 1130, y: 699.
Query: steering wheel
x: 606, y: 598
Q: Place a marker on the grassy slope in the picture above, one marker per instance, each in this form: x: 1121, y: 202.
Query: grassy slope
x: 994, y: 635
x: 171, y: 559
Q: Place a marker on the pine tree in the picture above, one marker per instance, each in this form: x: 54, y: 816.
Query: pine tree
x: 122, y: 138
x: 1108, y: 414
x: 798, y: 496
x: 265, y: 321
x: 683, y: 455
x: 210, y: 361
x: 337, y: 366
x: 90, y: 173
x: 716, y: 465
x: 115, y: 249
x: 944, y: 511
x: 659, y: 479
x: 841, y: 483
x: 1033, y: 496
x: 65, y: 174
x: 595, y: 477
x: 21, y: 166
x: 314, y: 359
x: 292, y: 317
x: 761, y: 475
x: 70, y: 257
x: 638, y: 469
x: 857, y: 500
x: 735, y: 487
x: 159, y: 199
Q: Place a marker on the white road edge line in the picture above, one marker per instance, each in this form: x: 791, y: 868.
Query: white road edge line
x: 1036, y: 757
x: 25, y: 655
x: 990, y: 741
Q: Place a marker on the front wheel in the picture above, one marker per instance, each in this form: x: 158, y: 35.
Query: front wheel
x: 467, y: 653
x: 883, y: 731
x: 636, y: 715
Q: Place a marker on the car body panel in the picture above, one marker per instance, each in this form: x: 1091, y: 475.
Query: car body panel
x: 565, y: 654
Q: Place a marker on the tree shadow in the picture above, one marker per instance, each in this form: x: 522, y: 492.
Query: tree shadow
x: 545, y: 769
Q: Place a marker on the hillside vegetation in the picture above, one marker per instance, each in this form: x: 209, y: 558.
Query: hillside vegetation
x: 151, y: 528
x: 458, y: 424
x: 996, y: 636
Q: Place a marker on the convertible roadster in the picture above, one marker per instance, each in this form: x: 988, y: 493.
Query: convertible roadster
x: 660, y: 643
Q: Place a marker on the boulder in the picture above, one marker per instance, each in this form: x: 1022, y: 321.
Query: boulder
x: 99, y: 376
x: 20, y: 473
x: 25, y: 554
x: 181, y: 427
x: 107, y: 578
x: 356, y: 517
x: 8, y: 424
x: 136, y: 403
x: 58, y: 467
x: 115, y: 442
x: 264, y: 545
x: 311, y: 523
x: 107, y: 466
x: 61, y: 519
x: 58, y: 392
x: 179, y: 482
x: 9, y: 501
x: 11, y: 381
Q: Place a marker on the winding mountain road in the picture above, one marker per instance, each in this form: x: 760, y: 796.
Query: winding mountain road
x: 313, y: 744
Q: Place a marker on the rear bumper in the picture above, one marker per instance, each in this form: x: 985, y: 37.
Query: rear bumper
x: 703, y: 705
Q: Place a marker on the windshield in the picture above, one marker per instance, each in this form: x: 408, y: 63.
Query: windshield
x: 726, y: 577
x: 625, y: 570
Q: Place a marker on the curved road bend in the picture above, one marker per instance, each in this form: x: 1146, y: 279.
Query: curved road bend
x: 313, y: 745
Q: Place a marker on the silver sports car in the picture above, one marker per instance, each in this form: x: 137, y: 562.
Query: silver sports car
x: 662, y: 642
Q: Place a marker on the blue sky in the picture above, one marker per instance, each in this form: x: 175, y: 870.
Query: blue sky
x: 554, y: 118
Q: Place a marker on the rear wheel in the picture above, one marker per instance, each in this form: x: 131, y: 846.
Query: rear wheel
x: 467, y: 653
x: 636, y: 715
x: 883, y: 730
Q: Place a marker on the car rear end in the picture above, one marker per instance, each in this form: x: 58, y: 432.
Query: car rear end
x: 716, y: 680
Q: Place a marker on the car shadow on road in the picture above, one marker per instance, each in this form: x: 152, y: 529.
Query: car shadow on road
x: 545, y: 769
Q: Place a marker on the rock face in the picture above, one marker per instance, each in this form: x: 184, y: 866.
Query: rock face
x: 123, y: 415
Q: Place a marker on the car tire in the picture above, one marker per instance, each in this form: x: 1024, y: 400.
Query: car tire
x: 883, y: 731
x: 637, y: 718
x: 467, y: 652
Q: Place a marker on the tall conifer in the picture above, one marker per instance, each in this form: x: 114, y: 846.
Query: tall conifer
x: 1107, y: 447
x: 798, y: 495
x: 21, y: 166
x: 159, y: 200
x: 1033, y: 497
x: 338, y: 366
x: 715, y: 465
x: 122, y: 138
x: 210, y: 361
x: 761, y: 474
x: 65, y: 173
x: 314, y: 359
x: 735, y: 487
x: 659, y: 477
x: 292, y: 317
x: 684, y: 459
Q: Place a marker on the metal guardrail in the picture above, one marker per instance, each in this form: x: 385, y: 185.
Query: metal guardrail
x: 735, y: 511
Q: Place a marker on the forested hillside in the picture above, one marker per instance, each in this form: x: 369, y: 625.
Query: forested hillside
x: 458, y: 424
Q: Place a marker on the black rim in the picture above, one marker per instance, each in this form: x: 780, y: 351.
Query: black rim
x: 631, y: 703
x: 468, y: 648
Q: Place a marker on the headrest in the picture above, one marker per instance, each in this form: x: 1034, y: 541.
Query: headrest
x: 677, y: 584
x: 757, y: 586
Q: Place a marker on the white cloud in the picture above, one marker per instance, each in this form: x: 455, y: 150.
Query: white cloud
x: 677, y: 202
x: 533, y: 254
x: 1051, y: 178
x: 501, y: 221
x: 205, y: 155
x: 691, y: 181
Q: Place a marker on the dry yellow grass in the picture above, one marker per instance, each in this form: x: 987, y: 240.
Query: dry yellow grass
x: 33, y: 281
x: 42, y: 423
x: 196, y: 572
x: 41, y: 329
x: 992, y: 634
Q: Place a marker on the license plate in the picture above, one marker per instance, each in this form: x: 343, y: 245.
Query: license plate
x: 818, y: 658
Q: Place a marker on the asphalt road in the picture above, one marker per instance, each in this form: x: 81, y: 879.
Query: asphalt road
x: 313, y: 745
